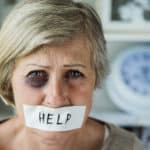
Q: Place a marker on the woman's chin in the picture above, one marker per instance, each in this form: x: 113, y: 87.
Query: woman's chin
x: 53, y: 135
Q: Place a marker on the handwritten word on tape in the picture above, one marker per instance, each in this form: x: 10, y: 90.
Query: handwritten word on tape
x: 54, y: 119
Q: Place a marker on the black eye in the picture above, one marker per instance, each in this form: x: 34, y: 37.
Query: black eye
x: 73, y: 74
x: 37, y: 78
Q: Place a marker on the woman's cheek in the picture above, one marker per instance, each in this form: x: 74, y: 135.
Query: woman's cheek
x: 28, y: 95
x: 81, y: 94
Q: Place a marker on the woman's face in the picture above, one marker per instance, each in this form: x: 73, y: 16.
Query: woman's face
x: 55, y: 76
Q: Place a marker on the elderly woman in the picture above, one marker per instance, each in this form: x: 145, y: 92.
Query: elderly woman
x: 52, y: 57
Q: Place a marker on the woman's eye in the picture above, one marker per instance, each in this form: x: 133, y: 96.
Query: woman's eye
x: 73, y: 74
x: 37, y: 78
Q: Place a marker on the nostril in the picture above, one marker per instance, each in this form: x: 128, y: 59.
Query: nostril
x: 57, y: 102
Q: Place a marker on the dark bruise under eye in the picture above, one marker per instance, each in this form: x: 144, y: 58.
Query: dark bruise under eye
x: 37, y: 78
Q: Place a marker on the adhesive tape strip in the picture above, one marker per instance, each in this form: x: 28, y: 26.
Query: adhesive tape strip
x: 54, y: 119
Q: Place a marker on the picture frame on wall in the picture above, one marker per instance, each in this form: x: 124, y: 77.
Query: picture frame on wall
x: 126, y: 15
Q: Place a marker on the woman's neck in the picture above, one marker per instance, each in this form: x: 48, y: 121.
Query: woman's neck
x: 87, y: 138
x: 39, y: 140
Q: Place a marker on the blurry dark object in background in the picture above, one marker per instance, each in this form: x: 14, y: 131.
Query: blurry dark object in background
x: 147, y: 15
x: 121, y: 10
x: 114, y: 8
x: 10, y: 2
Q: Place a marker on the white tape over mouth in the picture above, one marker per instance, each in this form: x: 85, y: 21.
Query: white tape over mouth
x: 54, y: 119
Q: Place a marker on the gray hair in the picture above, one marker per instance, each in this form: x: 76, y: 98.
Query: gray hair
x: 34, y: 23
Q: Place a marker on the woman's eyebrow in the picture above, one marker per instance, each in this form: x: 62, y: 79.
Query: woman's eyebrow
x: 42, y: 66
x: 66, y: 65
x: 75, y: 65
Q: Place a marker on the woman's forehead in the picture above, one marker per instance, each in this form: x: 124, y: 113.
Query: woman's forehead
x: 75, y: 51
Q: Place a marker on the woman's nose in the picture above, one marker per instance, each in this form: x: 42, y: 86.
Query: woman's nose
x: 56, y: 94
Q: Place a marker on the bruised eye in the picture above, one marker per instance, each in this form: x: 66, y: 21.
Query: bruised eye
x: 73, y: 74
x: 37, y: 78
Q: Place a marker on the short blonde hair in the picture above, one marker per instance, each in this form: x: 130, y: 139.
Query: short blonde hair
x: 34, y: 23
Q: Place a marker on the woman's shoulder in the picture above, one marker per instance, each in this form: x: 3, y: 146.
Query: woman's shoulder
x: 122, y: 139
x: 7, y: 132
x: 3, y: 136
